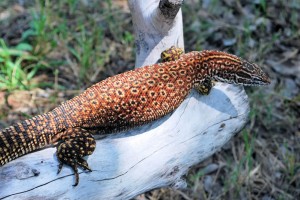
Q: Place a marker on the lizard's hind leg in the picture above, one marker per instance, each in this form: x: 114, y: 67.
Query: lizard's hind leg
x: 171, y: 54
x: 76, y: 143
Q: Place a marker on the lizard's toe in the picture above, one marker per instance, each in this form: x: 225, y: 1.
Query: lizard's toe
x: 84, y: 164
x: 72, y: 150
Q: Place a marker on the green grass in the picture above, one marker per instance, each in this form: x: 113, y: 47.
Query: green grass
x: 40, y: 33
x: 13, y: 75
x: 85, y: 50
x: 71, y: 28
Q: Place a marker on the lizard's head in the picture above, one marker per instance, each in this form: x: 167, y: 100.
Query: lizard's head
x: 229, y: 68
x: 251, y: 74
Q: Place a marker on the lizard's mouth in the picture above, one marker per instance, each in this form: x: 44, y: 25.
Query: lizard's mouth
x: 260, y: 80
x: 254, y: 81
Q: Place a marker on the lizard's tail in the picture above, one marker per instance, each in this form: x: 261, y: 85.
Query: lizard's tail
x: 26, y: 136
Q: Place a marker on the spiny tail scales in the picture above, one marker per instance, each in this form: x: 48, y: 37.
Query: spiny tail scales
x: 26, y: 136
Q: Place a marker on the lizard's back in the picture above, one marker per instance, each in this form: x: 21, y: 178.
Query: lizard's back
x: 129, y: 99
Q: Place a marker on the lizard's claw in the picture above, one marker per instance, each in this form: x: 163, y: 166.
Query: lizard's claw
x: 76, y: 144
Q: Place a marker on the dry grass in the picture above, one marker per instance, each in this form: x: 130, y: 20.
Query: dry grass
x: 261, y: 162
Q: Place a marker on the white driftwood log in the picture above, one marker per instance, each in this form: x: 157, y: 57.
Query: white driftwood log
x: 147, y: 157
x: 155, y: 30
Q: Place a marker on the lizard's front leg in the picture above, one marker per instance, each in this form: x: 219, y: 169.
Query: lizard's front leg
x: 75, y: 144
x: 204, y: 86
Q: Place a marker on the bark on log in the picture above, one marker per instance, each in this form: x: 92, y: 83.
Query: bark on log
x: 147, y: 157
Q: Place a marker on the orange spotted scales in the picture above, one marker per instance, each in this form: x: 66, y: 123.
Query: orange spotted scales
x: 124, y: 101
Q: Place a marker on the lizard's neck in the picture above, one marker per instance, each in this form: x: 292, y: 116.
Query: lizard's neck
x: 216, y: 65
x: 200, y: 65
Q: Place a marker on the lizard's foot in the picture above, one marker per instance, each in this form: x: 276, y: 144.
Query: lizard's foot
x: 76, y: 143
x: 204, y: 87
x: 171, y: 54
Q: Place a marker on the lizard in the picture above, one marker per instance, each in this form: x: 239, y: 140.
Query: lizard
x: 124, y: 101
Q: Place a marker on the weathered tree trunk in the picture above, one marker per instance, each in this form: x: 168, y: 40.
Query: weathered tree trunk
x: 147, y: 157
x: 157, y: 26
